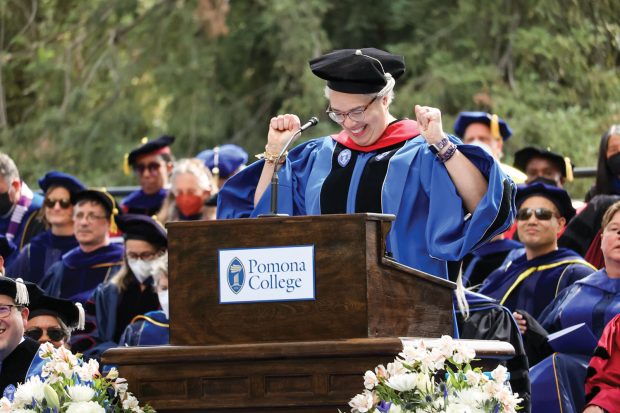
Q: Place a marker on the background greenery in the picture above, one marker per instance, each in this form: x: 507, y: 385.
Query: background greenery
x: 82, y: 81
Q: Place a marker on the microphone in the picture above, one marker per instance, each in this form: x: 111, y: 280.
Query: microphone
x: 274, y: 178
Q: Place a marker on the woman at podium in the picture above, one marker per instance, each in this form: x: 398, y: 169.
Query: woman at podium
x: 448, y: 198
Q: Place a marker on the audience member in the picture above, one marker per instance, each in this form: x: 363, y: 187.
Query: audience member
x: 152, y: 163
x: 18, y: 207
x: 152, y: 328
x: 531, y: 277
x: 95, y: 259
x: 608, y: 165
x: 603, y: 378
x: 48, y: 247
x: 224, y: 161
x: 16, y: 352
x: 431, y: 184
x: 53, y: 319
x: 192, y: 185
x: 542, y: 165
x: 130, y: 292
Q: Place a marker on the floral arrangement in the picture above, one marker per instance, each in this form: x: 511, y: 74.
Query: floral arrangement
x: 437, y: 379
x: 70, y: 385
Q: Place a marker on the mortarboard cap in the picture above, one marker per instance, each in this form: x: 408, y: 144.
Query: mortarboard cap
x: 157, y: 146
x: 358, y: 70
x: 55, y: 178
x: 22, y: 292
x: 143, y: 227
x: 523, y: 157
x: 71, y: 314
x: 558, y: 196
x: 499, y: 127
x: 224, y: 160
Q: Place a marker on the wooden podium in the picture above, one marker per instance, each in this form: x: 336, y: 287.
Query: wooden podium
x: 294, y: 356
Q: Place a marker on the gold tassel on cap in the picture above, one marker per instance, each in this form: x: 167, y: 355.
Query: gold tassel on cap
x: 126, y: 169
x: 113, y: 227
x: 81, y: 317
x: 569, y: 169
x: 495, y: 127
x: 21, y: 292
x: 144, y: 140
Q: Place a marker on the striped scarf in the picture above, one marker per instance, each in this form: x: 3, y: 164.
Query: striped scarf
x: 19, y: 212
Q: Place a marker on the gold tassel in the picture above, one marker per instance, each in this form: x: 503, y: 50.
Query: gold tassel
x: 495, y: 127
x: 144, y: 140
x: 113, y: 226
x: 569, y: 169
x: 126, y: 169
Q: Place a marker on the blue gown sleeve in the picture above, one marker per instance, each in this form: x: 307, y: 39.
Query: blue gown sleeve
x: 20, y: 267
x: 550, y: 316
x: 236, y: 198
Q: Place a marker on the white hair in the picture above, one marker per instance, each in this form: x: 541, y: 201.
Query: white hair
x: 389, y: 93
x: 195, y: 167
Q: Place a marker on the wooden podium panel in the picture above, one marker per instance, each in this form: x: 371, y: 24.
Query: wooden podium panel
x: 317, y: 376
x: 359, y: 292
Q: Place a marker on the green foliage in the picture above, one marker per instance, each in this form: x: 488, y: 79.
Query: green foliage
x: 82, y: 82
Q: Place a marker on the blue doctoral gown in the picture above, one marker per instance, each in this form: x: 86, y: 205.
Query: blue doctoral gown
x: 138, y: 202
x: 594, y: 300
x: 531, y: 285
x: 150, y: 329
x: 28, y: 227
x: 77, y: 275
x: 430, y: 227
x: 485, y: 259
x: 37, y: 257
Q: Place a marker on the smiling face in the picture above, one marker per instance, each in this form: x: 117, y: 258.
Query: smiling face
x: 91, y: 224
x: 12, y: 326
x: 56, y: 215
x: 376, y: 116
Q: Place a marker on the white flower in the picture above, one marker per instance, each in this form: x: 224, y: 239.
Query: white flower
x: 85, y: 407
x: 446, y: 346
x: 396, y: 368
x: 364, y: 402
x: 89, y: 370
x: 120, y: 387
x: 395, y: 409
x: 112, y: 374
x: 500, y: 374
x: 381, y: 371
x: 23, y: 411
x: 473, y: 378
x: 370, y: 380
x: 31, y: 389
x: 130, y: 402
x: 80, y: 393
x: 403, y: 382
x: 471, y: 397
x: 5, y: 405
x: 424, y: 383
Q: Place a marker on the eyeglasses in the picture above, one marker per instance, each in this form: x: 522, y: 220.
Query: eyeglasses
x: 51, y: 203
x: 152, y: 167
x: 542, y: 214
x: 88, y: 217
x: 356, y: 115
x: 54, y: 333
x: 144, y: 256
x: 5, y: 309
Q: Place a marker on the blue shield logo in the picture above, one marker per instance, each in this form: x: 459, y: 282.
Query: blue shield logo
x: 236, y: 275
x: 344, y: 157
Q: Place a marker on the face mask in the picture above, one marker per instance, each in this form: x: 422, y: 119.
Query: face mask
x: 189, y: 204
x: 5, y: 203
x: 141, y: 269
x: 613, y: 163
x: 163, y: 301
x: 543, y: 180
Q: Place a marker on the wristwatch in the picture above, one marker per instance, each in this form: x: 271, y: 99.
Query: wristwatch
x: 437, y: 147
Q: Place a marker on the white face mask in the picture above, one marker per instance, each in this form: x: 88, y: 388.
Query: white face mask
x: 141, y: 269
x: 163, y: 301
x: 482, y: 145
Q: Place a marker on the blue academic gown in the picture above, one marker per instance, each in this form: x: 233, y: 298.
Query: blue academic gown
x: 77, y: 275
x: 430, y: 227
x: 532, y: 284
x: 557, y: 381
x: 28, y: 227
x: 485, y: 259
x: 138, y: 202
x: 150, y: 329
x: 37, y: 257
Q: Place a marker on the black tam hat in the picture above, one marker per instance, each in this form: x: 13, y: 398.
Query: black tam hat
x: 144, y: 228
x: 71, y: 314
x: 22, y: 292
x: 358, y: 71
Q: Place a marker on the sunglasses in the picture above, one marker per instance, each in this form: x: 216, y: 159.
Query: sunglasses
x: 152, y: 167
x: 51, y: 203
x: 542, y: 214
x: 54, y: 333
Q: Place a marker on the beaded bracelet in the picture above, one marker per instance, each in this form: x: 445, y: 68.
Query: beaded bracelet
x: 449, y: 153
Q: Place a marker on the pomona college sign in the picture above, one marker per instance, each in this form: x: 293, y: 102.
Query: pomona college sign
x: 251, y: 275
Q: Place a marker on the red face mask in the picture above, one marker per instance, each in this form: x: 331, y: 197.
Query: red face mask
x: 189, y: 204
